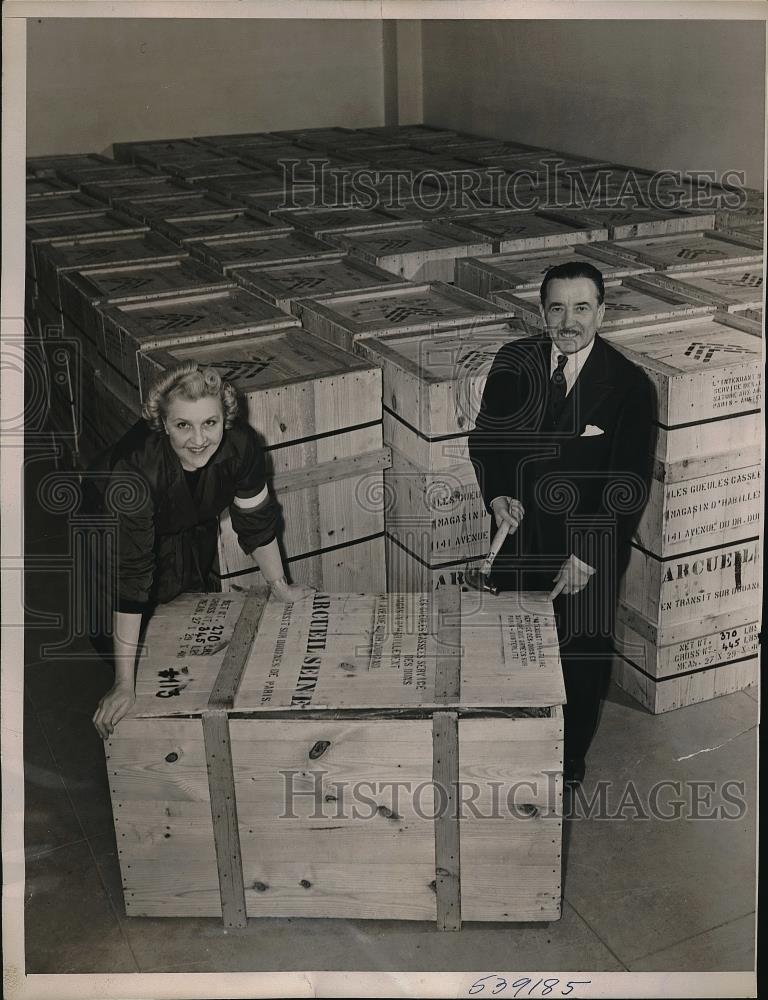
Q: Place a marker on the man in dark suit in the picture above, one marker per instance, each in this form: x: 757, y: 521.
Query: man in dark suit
x: 562, y: 451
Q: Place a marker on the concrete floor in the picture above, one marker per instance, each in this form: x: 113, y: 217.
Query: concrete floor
x: 639, y: 894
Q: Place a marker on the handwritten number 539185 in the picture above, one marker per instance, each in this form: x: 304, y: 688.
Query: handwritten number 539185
x: 498, y: 985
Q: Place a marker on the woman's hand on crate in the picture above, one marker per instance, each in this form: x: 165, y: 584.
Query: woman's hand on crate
x: 113, y: 707
x: 288, y: 593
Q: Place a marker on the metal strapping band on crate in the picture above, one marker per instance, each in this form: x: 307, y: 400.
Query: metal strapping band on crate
x: 333, y: 471
x: 685, y: 673
x: 218, y: 755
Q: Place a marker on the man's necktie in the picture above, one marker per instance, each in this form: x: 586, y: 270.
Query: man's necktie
x: 557, y: 387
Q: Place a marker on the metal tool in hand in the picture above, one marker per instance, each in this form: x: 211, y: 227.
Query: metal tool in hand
x: 480, y: 579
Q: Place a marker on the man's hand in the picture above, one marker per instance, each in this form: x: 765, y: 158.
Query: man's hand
x: 287, y: 593
x: 113, y: 707
x: 507, y: 510
x: 573, y: 576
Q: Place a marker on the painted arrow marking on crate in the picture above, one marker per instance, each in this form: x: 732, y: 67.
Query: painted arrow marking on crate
x: 705, y: 352
x: 687, y: 253
x: 303, y: 282
x: 391, y: 245
x: 747, y: 280
x: 399, y: 313
x: 177, y: 321
x: 241, y: 370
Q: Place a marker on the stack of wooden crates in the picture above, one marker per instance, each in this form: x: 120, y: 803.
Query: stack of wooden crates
x: 215, y: 249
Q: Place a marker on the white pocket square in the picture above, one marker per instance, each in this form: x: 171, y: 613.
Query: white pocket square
x: 591, y: 431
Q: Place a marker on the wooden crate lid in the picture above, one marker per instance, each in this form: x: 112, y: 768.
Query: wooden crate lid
x: 62, y: 207
x: 48, y: 165
x: 143, y: 281
x: 236, y: 139
x: 236, y: 222
x: 263, y: 250
x: 281, y: 201
x: 181, y: 203
x: 419, y: 307
x: 525, y: 270
x: 628, y: 302
x: 204, y: 170
x: 272, y: 360
x: 155, y: 149
x: 48, y: 187
x: 108, y: 172
x: 328, y: 275
x: 194, y: 317
x: 351, y: 651
x: 337, y: 220
x: 158, y: 186
x: 137, y: 247
x: 448, y: 371
x: 106, y: 223
x: 729, y: 288
x: 619, y: 221
x: 249, y: 182
x: 412, y: 237
x: 679, y: 251
x: 695, y: 346
x: 502, y: 226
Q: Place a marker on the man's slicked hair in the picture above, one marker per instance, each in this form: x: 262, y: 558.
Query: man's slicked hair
x: 574, y: 269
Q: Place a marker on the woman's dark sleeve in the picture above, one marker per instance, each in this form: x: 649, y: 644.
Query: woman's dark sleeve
x: 254, y: 513
x: 129, y: 498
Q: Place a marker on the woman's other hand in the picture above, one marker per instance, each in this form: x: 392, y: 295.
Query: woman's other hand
x: 113, y: 707
x: 290, y: 592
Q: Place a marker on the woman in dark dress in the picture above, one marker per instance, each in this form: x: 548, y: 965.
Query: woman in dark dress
x: 176, y: 470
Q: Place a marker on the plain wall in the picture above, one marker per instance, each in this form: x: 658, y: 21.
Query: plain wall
x: 92, y: 82
x: 674, y: 95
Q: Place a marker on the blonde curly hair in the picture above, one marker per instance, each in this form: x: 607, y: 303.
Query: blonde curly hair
x: 188, y: 381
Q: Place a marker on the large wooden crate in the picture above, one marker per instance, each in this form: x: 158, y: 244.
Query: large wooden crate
x: 317, y: 411
x: 342, y: 220
x: 751, y: 211
x: 431, y: 391
x: 702, y: 502
x: 390, y: 711
x: 156, y: 150
x: 86, y: 291
x: 685, y: 252
x: 513, y: 232
x: 141, y: 247
x: 108, y: 172
x: 135, y: 327
x: 285, y: 284
x: 626, y: 223
x: 255, y: 252
x: 58, y: 231
x: 76, y: 205
x: 707, y: 377
x: 345, y: 318
x: 48, y: 187
x: 668, y: 668
x: 423, y: 251
x: 223, y: 225
x: 50, y: 166
x: 118, y: 192
x: 730, y: 288
x: 184, y: 203
x: 629, y: 302
x: 525, y: 271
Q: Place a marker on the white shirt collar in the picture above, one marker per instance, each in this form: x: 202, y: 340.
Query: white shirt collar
x: 575, y: 363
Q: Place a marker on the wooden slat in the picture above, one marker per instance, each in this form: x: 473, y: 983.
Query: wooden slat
x: 331, y: 472
x: 236, y: 656
x: 445, y: 774
x: 448, y: 665
x: 221, y: 785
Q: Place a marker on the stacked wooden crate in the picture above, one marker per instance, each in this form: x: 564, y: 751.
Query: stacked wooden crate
x: 690, y: 600
x: 350, y: 755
